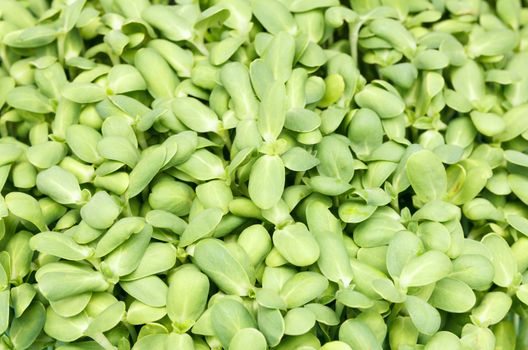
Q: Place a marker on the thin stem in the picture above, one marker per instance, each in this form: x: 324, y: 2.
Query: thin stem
x: 61, y: 37
x: 199, y: 45
x: 339, y: 308
x: 142, y: 140
x: 3, y: 129
x: 298, y: 178
x: 126, y: 208
x: 395, y: 204
x: 113, y: 58
x: 353, y: 33
x: 131, y: 331
x: 102, y: 340
x: 4, y: 58
x: 224, y: 135
x: 395, y: 312
x: 337, y: 201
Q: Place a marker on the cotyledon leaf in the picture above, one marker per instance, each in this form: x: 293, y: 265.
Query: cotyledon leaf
x: 60, y: 245
x: 63, y: 283
x: 16, y: 260
x: 118, y: 148
x: 502, y: 259
x: 214, y: 258
x: 395, y: 33
x: 201, y: 226
x: 453, y: 296
x: 271, y: 324
x: 152, y: 66
x: 385, y: 103
x: 107, y: 318
x: 358, y: 335
x: 215, y: 194
x: 187, y: 296
x: 425, y: 317
x: 83, y: 140
x: 125, y: 78
x: 272, y: 112
x: 22, y: 296
x: 298, y: 321
x: 248, y: 337
x: 26, y: 328
x: 161, y: 16
x: 118, y: 233
x: 492, y: 309
x: 302, y: 288
x: 25, y: 207
x: 147, y: 167
x: 83, y: 92
x: 296, y: 244
x: 335, y: 158
x: 27, y: 98
x: 266, y: 181
x: 158, y: 257
x: 228, y: 317
x: 354, y: 299
x: 71, y: 306
x: 278, y: 55
x: 203, y: 165
x: 333, y: 258
x: 150, y: 290
x: 139, y: 313
x: 195, y: 115
x: 101, y: 211
x: 424, y: 269
x: 234, y: 76
x: 31, y: 37
x: 128, y: 256
x: 60, y: 185
x: 426, y: 175
x: 274, y: 16
x: 365, y: 131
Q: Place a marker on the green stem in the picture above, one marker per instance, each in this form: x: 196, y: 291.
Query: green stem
x: 337, y: 201
x: 353, y: 36
x: 395, y: 312
x: 395, y: 204
x: 131, y: 331
x: 4, y: 58
x: 142, y: 140
x: 61, y: 37
x: 339, y: 308
x: 113, y: 58
x: 126, y: 208
x: 199, y: 45
x: 298, y: 178
x: 224, y: 135
x: 3, y: 129
x: 102, y: 340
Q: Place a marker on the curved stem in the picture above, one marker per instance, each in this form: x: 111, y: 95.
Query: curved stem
x: 131, y: 331
x: 395, y: 312
x: 353, y: 36
x: 102, y: 340
x: 395, y: 204
x: 224, y: 135
x: 4, y: 58
x: 61, y: 37
x: 298, y: 177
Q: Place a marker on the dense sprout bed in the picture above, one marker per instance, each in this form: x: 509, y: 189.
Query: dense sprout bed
x: 245, y: 175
